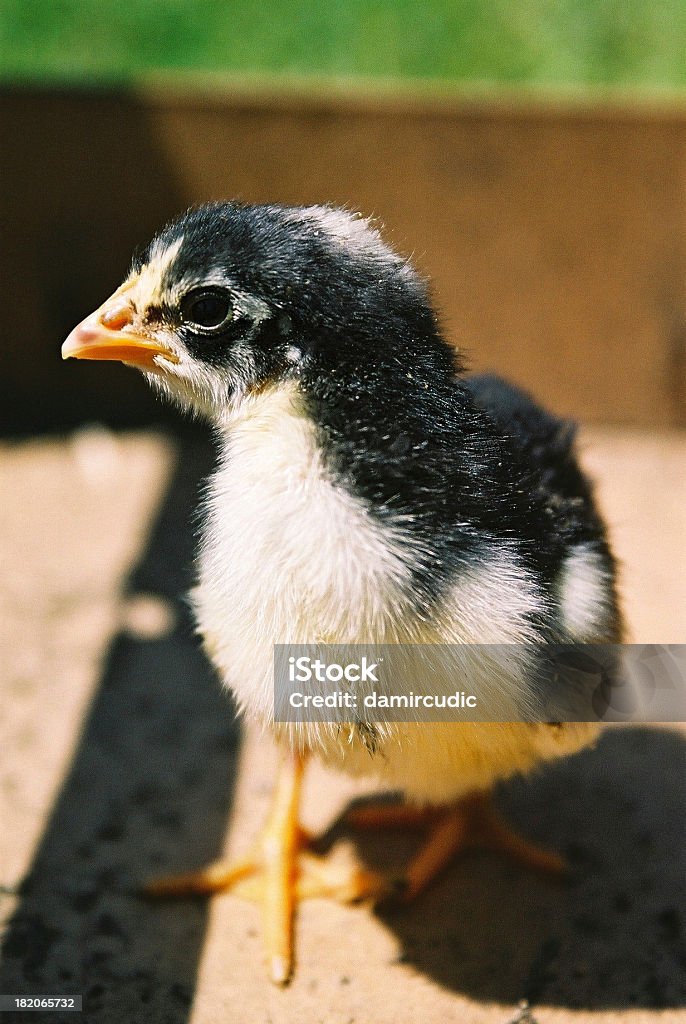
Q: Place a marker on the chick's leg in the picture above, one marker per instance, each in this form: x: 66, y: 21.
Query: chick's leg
x: 472, y: 822
x: 273, y: 858
x: 277, y: 873
x: 280, y: 842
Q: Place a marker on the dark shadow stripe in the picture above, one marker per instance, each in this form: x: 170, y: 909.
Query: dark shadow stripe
x: 150, y: 790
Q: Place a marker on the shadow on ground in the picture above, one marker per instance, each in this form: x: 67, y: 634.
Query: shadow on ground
x: 149, y: 791
x: 613, y: 936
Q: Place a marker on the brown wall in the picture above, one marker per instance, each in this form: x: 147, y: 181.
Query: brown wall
x: 555, y: 235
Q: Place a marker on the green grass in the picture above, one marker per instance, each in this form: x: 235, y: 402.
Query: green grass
x: 557, y: 42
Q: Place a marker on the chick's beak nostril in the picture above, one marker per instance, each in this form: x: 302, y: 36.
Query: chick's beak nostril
x: 117, y: 316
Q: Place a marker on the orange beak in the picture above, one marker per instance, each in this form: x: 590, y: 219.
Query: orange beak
x: 108, y: 334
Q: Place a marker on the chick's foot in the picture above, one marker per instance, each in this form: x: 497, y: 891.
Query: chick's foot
x: 472, y: 822
x: 278, y: 873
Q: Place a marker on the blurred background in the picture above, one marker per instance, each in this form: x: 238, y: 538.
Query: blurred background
x: 531, y: 158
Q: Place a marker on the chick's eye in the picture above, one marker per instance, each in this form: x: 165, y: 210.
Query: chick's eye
x: 207, y: 310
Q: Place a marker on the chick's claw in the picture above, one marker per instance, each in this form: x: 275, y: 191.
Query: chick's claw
x: 213, y: 878
x: 315, y: 878
x: 323, y: 878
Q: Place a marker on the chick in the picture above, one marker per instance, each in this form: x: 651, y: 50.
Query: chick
x: 366, y: 492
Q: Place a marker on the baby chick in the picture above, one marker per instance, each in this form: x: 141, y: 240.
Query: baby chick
x: 366, y: 492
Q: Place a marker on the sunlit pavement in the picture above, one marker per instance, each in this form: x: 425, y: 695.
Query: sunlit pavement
x: 120, y: 758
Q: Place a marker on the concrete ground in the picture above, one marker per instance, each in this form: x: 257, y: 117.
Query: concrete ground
x: 120, y: 758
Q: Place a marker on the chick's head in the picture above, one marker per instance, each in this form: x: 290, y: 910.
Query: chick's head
x: 229, y: 299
